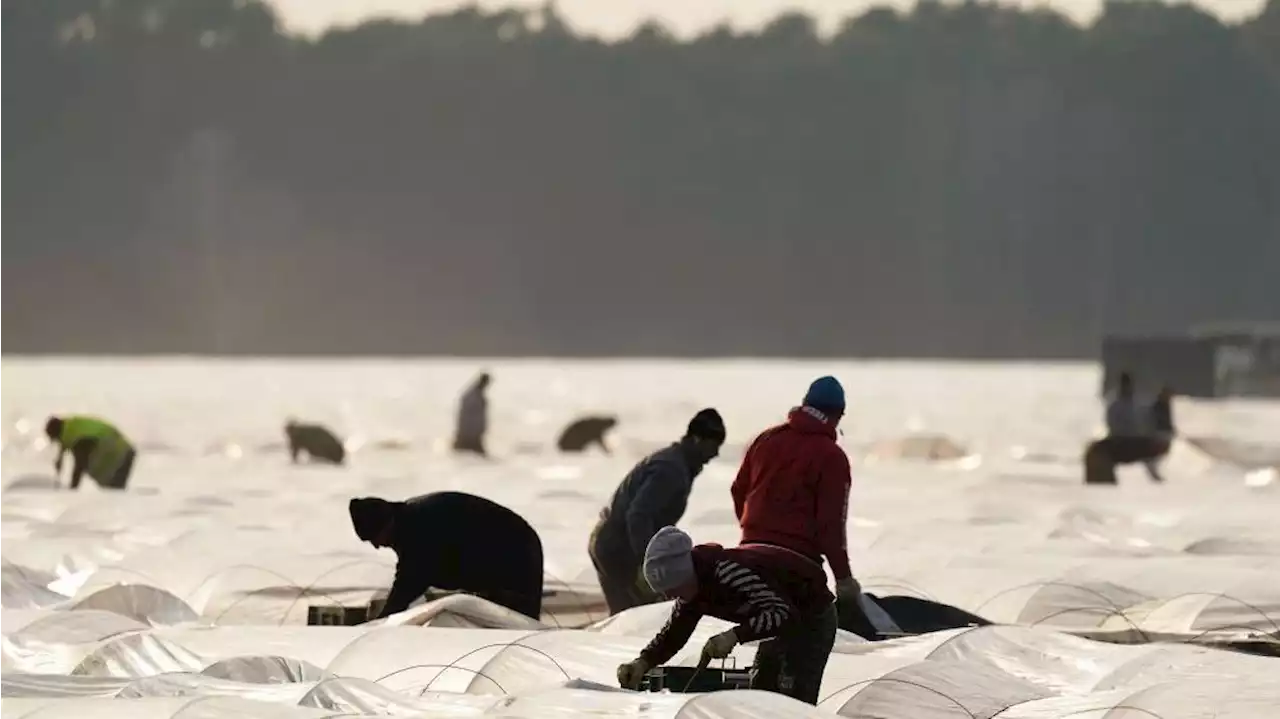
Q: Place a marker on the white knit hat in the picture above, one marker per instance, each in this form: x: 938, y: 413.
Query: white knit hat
x: 668, y: 563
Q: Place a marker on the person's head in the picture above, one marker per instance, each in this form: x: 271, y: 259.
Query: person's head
x: 668, y: 564
x: 1166, y: 392
x: 705, y: 434
x: 483, y: 380
x: 53, y: 428
x: 1124, y: 385
x: 374, y: 520
x: 827, y: 396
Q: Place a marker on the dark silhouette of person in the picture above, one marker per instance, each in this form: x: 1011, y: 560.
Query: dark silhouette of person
x: 586, y: 431
x: 654, y: 494
x: 1132, y: 436
x: 458, y: 541
x: 473, y: 417
x: 319, y: 443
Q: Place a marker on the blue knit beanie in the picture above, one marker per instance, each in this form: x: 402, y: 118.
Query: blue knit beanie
x: 825, y: 394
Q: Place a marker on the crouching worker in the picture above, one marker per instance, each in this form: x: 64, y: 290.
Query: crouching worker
x: 453, y: 540
x: 97, y: 448
x: 773, y: 594
x: 1134, y: 434
x: 320, y: 444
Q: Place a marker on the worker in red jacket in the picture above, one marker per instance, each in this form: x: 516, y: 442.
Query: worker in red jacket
x: 792, y: 491
x: 772, y: 594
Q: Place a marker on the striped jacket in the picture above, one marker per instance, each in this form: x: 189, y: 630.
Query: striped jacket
x: 765, y: 589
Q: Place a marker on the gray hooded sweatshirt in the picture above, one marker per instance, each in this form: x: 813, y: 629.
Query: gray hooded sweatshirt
x: 653, y: 495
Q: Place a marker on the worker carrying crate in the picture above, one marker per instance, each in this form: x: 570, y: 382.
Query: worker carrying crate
x: 775, y: 596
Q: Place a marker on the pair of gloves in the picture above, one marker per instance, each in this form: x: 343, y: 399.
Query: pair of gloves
x: 718, y: 647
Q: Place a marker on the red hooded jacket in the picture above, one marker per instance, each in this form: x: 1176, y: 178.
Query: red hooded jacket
x: 793, y: 490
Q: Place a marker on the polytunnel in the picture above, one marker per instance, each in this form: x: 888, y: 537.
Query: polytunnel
x: 1202, y: 697
x: 160, y: 708
x: 44, y: 641
x: 1056, y: 661
x: 462, y: 611
x: 137, y: 655
x: 58, y: 686
x: 318, y: 646
x: 265, y: 670
x: 185, y: 684
x: 1197, y: 615
x: 489, y: 661
x: 363, y: 696
x: 935, y: 689
x: 581, y: 704
x: 140, y: 602
x: 26, y: 588
x: 1154, y: 663
x: 265, y: 591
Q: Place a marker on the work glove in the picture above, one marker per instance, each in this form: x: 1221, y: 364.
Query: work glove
x: 720, y: 646
x: 848, y: 590
x: 631, y: 673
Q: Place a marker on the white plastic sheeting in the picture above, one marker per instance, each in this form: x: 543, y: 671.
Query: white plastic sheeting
x: 186, y: 596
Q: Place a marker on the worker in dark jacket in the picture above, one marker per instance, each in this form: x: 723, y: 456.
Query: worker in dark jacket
x: 653, y: 495
x: 453, y: 540
x: 320, y: 444
x: 1134, y: 434
x: 586, y: 431
x: 773, y: 594
x: 473, y: 417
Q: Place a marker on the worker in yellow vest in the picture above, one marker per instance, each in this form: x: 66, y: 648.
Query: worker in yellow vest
x: 97, y: 447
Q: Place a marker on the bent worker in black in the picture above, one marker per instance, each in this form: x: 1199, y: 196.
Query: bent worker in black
x: 319, y: 442
x: 454, y: 540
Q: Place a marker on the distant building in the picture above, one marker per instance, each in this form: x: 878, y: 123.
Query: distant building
x: 1237, y: 359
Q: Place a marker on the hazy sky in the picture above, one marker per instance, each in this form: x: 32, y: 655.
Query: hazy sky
x: 614, y: 18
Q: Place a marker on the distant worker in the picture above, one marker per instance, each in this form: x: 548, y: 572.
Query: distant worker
x: 1124, y: 414
x: 773, y: 594
x: 97, y: 448
x: 1131, y: 437
x: 584, y: 432
x: 473, y: 417
x: 320, y: 444
x: 792, y: 492
x: 1162, y: 415
x: 1163, y: 431
x: 453, y: 540
x: 653, y: 495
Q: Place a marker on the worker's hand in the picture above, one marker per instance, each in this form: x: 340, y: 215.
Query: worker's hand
x: 721, y: 645
x: 848, y: 590
x: 631, y: 673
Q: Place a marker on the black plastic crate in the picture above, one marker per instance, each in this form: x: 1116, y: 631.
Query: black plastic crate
x: 339, y: 615
x: 691, y: 680
x: 336, y: 616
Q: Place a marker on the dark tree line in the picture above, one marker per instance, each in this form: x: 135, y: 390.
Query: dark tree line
x: 957, y: 181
